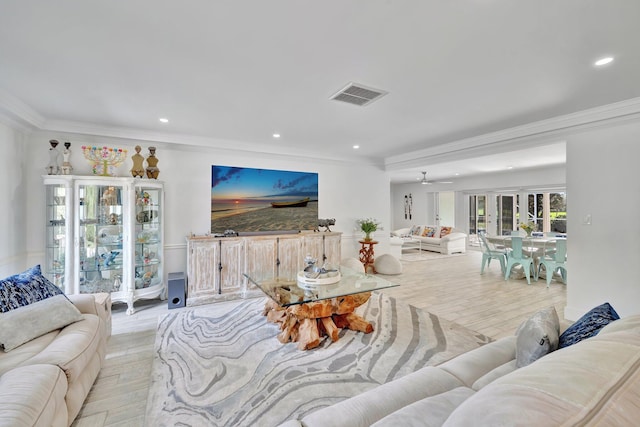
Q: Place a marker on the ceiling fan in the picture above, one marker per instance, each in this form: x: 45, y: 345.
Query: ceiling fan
x: 425, y: 182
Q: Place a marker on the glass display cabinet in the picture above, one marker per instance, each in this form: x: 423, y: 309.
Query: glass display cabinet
x: 148, y: 241
x: 117, y: 237
x: 58, y: 244
x: 103, y: 255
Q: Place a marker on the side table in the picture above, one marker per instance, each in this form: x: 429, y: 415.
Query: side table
x: 367, y: 254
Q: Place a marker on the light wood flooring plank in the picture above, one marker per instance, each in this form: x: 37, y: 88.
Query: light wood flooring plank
x: 448, y: 286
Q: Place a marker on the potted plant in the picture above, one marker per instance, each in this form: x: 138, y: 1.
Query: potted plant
x: 528, y: 227
x: 368, y: 226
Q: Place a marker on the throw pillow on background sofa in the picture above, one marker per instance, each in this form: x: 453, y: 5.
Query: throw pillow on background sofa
x: 428, y: 232
x: 25, y: 288
x: 445, y: 231
x: 589, y: 325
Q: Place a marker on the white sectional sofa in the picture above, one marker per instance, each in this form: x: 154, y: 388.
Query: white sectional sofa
x: 446, y: 240
x: 595, y: 382
x: 46, y: 376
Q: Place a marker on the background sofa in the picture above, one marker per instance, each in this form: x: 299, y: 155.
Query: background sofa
x: 593, y: 382
x: 446, y: 240
x: 45, y: 380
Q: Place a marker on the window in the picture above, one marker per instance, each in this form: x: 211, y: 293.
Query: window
x: 547, y: 210
x: 558, y: 212
x: 505, y: 214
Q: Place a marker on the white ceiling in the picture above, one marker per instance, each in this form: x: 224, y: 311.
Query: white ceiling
x: 232, y: 73
x: 524, y: 158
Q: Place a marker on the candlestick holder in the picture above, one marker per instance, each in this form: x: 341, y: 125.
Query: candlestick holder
x: 104, y: 160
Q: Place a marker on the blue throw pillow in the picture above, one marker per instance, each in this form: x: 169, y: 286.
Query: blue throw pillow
x: 25, y: 288
x: 588, y: 325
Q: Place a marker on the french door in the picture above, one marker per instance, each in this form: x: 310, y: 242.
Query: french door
x: 477, y: 214
x: 506, y: 214
x: 444, y: 204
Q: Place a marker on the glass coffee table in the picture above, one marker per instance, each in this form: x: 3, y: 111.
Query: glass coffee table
x: 308, y: 312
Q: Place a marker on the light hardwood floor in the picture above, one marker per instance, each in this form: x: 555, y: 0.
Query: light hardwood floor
x: 450, y: 287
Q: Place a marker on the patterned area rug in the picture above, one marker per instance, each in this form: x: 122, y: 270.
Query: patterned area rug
x: 222, y: 365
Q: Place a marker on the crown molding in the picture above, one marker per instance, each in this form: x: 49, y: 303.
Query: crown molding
x: 17, y: 112
x: 190, y: 142
x: 539, y: 133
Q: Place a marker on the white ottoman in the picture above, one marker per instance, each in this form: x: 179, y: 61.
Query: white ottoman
x: 387, y: 264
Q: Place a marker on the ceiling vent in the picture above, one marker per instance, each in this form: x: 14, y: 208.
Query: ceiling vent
x: 358, y: 94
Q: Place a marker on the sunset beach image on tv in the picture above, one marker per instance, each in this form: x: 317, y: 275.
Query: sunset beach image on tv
x: 257, y: 200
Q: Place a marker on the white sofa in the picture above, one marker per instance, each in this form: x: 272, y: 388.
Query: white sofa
x: 45, y: 381
x: 595, y: 382
x: 446, y: 240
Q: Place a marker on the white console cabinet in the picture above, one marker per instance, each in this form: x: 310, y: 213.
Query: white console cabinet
x: 215, y: 265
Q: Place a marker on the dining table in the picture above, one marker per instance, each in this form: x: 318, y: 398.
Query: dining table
x: 532, y: 246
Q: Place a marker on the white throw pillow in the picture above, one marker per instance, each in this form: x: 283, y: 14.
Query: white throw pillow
x: 537, y: 336
x: 23, y: 324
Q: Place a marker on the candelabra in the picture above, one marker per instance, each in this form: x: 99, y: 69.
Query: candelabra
x: 105, y: 160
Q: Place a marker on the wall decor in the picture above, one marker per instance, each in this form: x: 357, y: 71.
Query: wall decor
x: 408, y: 206
x: 250, y: 200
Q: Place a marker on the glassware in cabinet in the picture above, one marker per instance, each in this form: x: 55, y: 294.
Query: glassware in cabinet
x: 100, y: 235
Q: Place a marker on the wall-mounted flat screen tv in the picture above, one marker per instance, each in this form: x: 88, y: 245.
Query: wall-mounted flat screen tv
x: 249, y: 200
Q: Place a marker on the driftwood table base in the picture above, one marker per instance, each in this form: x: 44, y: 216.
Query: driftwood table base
x: 307, y: 323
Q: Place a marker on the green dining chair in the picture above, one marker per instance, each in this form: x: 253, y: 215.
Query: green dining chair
x: 515, y: 257
x: 490, y: 252
x: 555, y: 261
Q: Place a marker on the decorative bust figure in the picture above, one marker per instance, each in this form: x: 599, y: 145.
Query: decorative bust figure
x: 152, y: 161
x: 52, y: 167
x: 137, y: 171
x: 66, y: 154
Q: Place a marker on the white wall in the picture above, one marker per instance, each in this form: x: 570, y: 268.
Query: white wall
x: 603, y: 180
x: 346, y: 191
x: 14, y: 196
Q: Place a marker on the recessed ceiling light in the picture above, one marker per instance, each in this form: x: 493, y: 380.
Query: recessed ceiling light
x: 164, y: 120
x: 509, y: 167
x: 457, y: 174
x: 276, y: 135
x: 603, y: 61
x: 355, y: 147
